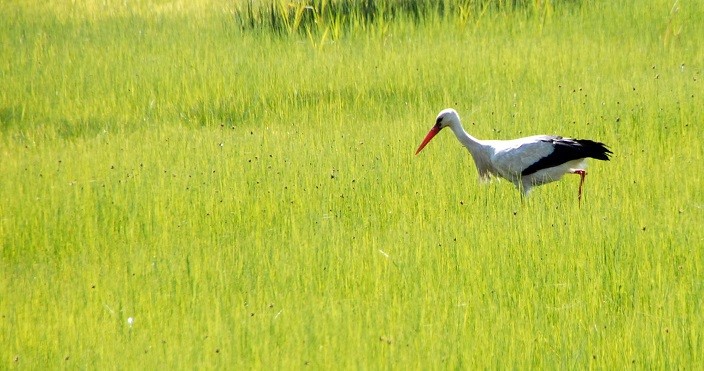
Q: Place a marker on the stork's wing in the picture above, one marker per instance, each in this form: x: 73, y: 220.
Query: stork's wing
x: 514, y: 156
x: 566, y: 150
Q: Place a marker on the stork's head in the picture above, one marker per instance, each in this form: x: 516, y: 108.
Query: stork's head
x: 446, y: 117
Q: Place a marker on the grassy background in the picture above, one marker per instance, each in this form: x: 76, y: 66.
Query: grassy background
x: 253, y: 200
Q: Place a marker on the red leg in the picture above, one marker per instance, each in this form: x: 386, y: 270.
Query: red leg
x: 582, y: 174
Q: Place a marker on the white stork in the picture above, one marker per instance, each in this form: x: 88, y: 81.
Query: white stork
x: 526, y: 162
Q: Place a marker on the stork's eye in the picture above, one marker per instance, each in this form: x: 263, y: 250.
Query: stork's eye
x: 438, y: 121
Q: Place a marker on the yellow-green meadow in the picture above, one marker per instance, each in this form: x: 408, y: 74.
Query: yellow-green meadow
x: 180, y: 191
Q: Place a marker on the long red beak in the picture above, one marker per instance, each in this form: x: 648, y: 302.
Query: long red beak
x: 428, y: 137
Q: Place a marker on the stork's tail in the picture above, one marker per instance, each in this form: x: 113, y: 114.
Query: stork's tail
x: 594, y: 149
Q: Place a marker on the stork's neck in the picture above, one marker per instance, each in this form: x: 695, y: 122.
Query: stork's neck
x: 473, y: 144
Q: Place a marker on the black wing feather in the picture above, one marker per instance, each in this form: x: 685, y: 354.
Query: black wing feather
x: 567, y: 149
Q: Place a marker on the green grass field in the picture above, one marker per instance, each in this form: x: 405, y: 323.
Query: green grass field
x: 177, y: 192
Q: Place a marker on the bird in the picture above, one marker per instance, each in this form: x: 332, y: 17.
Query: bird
x: 526, y: 162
